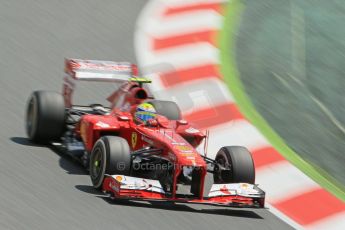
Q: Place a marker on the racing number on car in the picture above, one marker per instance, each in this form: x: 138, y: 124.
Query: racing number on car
x: 134, y: 139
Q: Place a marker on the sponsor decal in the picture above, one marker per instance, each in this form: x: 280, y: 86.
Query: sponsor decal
x: 134, y: 139
x: 124, y: 118
x: 118, y: 178
x: 171, y: 156
x: 244, y: 186
x: 166, y: 134
x: 188, y: 154
x: 178, y: 143
x: 147, y: 140
x: 102, y: 124
x: 115, y: 186
x: 100, y: 65
x: 184, y: 148
x: 225, y: 190
x: 192, y: 130
x: 245, y: 189
x: 145, y: 184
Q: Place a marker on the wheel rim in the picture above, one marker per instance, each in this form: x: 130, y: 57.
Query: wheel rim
x: 96, y: 165
x: 218, y: 175
x: 222, y: 161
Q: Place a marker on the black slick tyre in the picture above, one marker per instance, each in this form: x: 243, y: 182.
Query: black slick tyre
x: 110, y: 155
x: 239, y: 165
x: 45, y: 116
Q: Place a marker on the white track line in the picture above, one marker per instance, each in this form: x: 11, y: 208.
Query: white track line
x: 334, y: 222
x: 237, y: 132
x: 182, y: 56
x: 177, y: 25
x: 283, y: 180
x: 285, y: 218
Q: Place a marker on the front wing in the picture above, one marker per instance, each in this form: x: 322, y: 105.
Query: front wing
x: 134, y: 188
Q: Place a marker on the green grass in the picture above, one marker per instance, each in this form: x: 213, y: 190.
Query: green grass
x: 231, y: 77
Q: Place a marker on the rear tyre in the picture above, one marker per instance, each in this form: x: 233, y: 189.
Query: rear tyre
x: 169, y: 109
x: 110, y: 155
x: 45, y: 116
x: 238, y: 164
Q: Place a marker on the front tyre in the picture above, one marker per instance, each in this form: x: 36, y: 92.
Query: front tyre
x: 234, y: 165
x: 110, y: 155
x: 45, y: 116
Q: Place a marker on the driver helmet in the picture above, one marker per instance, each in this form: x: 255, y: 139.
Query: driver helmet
x: 145, y: 112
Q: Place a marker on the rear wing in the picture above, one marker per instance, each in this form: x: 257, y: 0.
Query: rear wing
x: 93, y: 70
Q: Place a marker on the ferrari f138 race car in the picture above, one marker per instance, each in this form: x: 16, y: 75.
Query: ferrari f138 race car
x: 139, y: 148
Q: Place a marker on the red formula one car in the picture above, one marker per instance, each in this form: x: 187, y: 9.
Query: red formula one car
x: 140, y: 147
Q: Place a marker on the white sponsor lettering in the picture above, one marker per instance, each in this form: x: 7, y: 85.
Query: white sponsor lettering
x: 192, y: 130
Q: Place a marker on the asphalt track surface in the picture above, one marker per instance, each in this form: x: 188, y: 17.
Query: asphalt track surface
x: 290, y: 56
x: 41, y: 189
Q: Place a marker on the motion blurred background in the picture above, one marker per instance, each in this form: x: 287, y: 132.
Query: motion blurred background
x: 290, y: 55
